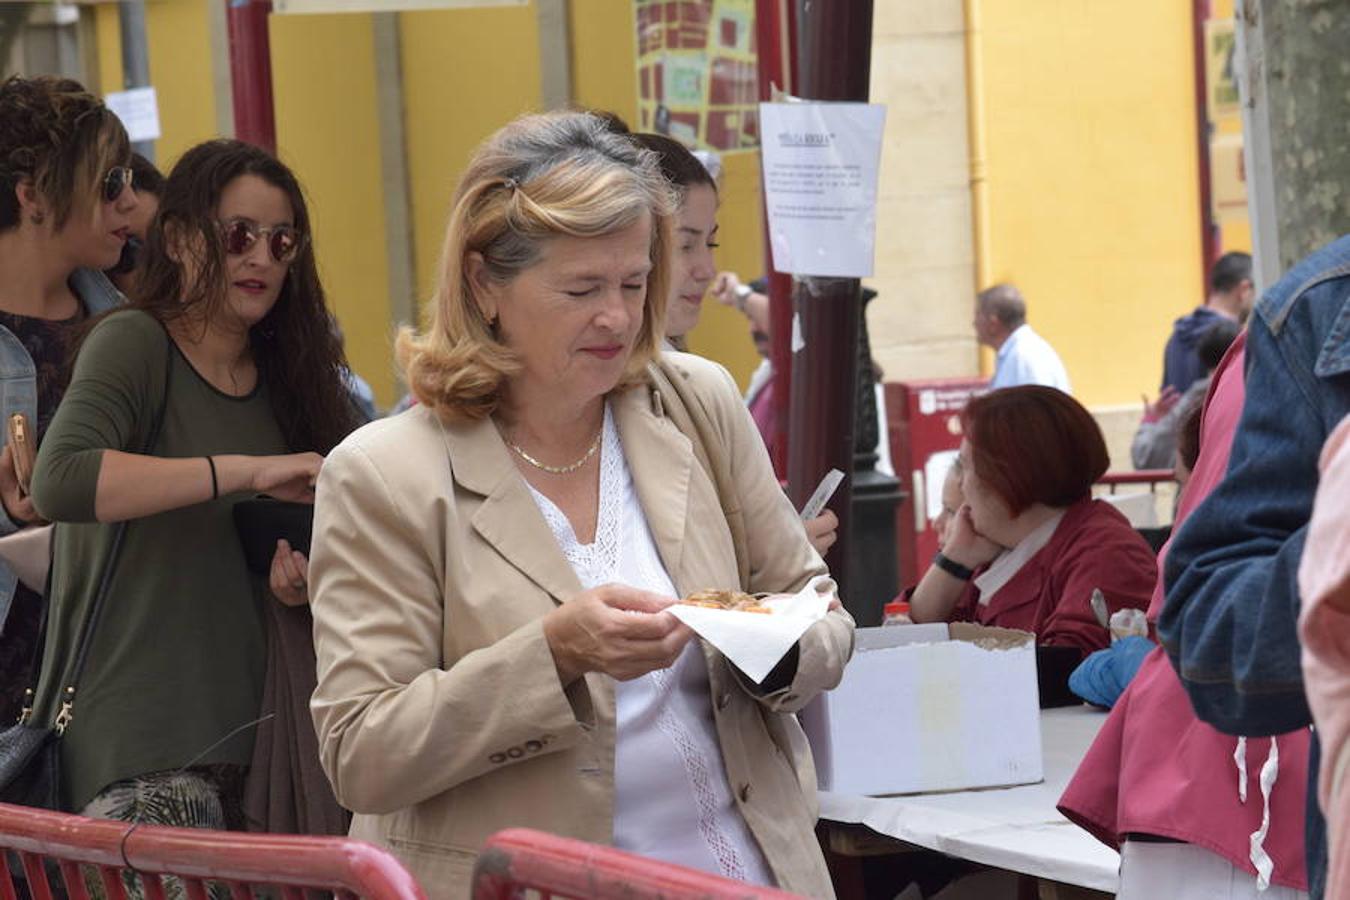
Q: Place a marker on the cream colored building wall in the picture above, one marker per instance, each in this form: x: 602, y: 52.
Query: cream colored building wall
x: 925, y: 262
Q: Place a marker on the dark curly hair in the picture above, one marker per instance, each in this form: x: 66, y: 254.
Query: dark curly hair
x: 295, y: 347
x: 59, y: 136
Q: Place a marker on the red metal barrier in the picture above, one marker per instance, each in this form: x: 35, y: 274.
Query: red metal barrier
x: 1150, y: 477
x: 520, y: 859
x: 242, y: 862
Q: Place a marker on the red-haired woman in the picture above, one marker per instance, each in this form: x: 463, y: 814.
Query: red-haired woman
x: 1030, y: 545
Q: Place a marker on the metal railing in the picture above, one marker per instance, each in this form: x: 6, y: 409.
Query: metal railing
x: 57, y: 852
x: 520, y: 862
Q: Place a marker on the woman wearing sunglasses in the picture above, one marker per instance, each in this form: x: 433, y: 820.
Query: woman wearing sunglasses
x: 64, y: 216
x: 226, y: 368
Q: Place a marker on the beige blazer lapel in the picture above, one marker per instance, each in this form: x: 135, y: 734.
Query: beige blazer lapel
x: 661, y: 461
x: 508, y: 518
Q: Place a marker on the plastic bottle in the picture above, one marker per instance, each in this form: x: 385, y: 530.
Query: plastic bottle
x: 896, y: 614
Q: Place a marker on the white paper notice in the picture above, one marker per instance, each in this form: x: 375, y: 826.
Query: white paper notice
x: 820, y: 185
x: 138, y: 109
x: 755, y: 642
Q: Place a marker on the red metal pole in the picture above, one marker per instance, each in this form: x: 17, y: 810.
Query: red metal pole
x: 251, y: 72
x: 776, y: 39
x: 1209, y: 229
x: 834, y: 65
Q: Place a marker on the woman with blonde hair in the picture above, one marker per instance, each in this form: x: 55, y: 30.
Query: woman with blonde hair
x: 491, y: 569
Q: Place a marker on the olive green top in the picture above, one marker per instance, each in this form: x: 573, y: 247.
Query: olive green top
x: 178, y: 658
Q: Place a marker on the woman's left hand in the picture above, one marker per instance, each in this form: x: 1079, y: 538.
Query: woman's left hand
x: 289, y: 578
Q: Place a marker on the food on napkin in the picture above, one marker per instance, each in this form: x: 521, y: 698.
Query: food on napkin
x: 755, y: 644
x: 736, y: 601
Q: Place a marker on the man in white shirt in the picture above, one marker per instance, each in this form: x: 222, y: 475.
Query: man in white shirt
x: 1024, y: 357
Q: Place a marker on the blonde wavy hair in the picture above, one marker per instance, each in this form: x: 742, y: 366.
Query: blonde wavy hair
x: 538, y: 178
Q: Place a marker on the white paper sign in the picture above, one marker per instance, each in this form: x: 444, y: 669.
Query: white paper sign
x: 820, y: 185
x: 138, y: 109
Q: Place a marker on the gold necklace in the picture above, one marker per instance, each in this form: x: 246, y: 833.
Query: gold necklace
x: 560, y: 470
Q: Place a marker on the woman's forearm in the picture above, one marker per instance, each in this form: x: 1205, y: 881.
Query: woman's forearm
x: 936, y: 596
x: 131, y: 485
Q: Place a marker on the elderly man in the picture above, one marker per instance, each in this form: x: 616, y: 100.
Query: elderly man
x: 1024, y: 357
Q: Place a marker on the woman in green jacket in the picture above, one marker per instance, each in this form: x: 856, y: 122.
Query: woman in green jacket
x: 223, y: 380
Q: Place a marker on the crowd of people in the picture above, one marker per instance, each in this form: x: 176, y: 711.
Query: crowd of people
x: 479, y: 634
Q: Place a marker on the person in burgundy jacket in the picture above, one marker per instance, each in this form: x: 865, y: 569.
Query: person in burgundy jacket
x: 1030, y: 545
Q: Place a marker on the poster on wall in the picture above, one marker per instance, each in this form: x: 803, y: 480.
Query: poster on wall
x: 697, y: 80
x: 820, y: 165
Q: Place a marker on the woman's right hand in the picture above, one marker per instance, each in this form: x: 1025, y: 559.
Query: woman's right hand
x: 965, y: 545
x: 618, y: 630
x: 289, y: 477
x: 724, y: 288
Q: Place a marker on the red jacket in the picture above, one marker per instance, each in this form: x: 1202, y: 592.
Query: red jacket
x: 1093, y: 547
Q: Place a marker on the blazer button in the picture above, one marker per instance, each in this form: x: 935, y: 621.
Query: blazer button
x: 724, y: 700
x: 745, y: 792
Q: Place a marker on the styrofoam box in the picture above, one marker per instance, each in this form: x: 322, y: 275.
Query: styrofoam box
x: 930, y: 708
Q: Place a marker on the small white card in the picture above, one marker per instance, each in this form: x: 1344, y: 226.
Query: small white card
x: 824, y: 491
x: 755, y: 642
x: 138, y: 109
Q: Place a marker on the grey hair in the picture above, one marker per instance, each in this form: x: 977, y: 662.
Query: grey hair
x: 524, y: 156
x: 1005, y: 303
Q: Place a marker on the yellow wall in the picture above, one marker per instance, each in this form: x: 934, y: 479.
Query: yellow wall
x: 179, y: 36
x: 328, y: 132
x: 1093, y: 182
x: 465, y: 74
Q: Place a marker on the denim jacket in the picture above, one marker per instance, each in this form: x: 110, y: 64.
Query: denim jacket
x: 1230, y: 623
x: 18, y: 391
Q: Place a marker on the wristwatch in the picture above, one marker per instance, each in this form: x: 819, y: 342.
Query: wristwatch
x: 952, y: 567
x: 743, y: 292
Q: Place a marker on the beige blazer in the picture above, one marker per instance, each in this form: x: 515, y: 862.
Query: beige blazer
x: 439, y: 711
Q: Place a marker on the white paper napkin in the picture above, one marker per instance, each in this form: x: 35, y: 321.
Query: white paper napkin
x: 755, y: 642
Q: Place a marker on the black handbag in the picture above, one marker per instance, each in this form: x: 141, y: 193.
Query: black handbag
x: 30, y: 755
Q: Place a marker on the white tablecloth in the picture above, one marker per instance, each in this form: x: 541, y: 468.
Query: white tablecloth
x: 1017, y: 829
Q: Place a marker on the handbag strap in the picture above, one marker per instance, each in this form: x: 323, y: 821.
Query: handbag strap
x: 88, y: 628
x: 685, y: 409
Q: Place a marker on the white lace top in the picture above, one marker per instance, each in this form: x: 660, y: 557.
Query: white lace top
x: 671, y: 797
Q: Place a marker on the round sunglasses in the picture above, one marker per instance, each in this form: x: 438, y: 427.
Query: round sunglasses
x: 283, y: 241
x: 118, y: 179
